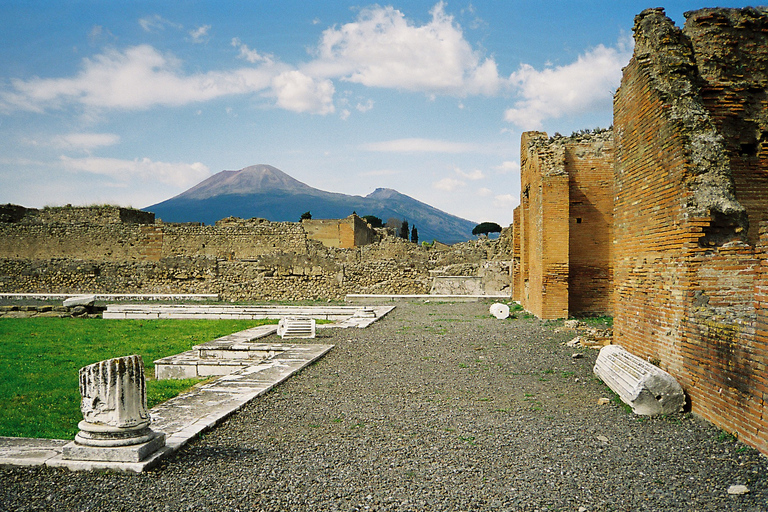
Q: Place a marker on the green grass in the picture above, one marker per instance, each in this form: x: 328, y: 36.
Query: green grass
x: 40, y: 359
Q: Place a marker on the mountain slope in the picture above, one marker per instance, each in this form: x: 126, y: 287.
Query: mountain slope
x: 266, y: 192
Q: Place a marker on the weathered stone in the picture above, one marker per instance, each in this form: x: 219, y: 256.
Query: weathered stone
x: 499, y: 310
x: 296, y: 327
x: 649, y: 390
x: 116, y: 420
x: 81, y: 300
x: 738, y: 490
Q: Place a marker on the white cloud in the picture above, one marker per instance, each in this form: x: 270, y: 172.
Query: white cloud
x: 155, y: 23
x: 585, y: 85
x: 477, y: 174
x: 448, y: 184
x: 200, y: 34
x: 364, y: 107
x: 179, y: 174
x: 504, y: 201
x: 251, y: 56
x: 86, y: 141
x: 484, y: 192
x: 421, y: 146
x: 508, y: 166
x: 383, y: 49
x: 136, y: 79
x: 301, y: 93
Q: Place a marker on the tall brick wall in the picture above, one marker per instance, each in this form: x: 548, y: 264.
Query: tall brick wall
x: 563, y: 225
x: 688, y: 258
x: 544, y: 233
x: 589, y: 162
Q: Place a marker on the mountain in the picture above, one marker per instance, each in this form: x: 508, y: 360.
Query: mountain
x: 269, y: 193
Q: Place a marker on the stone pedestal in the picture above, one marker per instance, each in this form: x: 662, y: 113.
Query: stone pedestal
x: 116, y: 420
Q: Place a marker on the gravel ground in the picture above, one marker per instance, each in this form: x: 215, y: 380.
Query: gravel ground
x: 437, y: 407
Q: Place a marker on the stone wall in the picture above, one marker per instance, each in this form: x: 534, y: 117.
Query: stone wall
x: 690, y: 245
x: 238, y: 259
x: 343, y: 233
x: 562, y: 227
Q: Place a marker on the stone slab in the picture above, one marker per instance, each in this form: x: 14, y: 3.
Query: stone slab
x: 25, y: 451
x: 131, y: 453
x: 80, y: 300
x: 364, y: 298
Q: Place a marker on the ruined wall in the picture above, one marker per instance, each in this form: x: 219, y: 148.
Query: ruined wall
x: 342, y: 233
x: 238, y: 259
x: 732, y: 58
x: 686, y: 267
x: 544, y: 234
x: 564, y: 224
x: 589, y: 160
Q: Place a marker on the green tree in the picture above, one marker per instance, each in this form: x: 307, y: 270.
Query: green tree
x: 414, y: 235
x: 374, y: 221
x: 486, y: 227
x: 306, y: 216
x: 404, y: 230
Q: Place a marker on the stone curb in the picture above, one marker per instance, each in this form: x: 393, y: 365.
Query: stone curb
x: 181, y: 418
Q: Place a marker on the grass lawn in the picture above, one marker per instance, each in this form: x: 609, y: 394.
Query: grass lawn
x: 40, y: 359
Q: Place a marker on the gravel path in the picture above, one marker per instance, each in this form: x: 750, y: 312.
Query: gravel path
x: 437, y: 407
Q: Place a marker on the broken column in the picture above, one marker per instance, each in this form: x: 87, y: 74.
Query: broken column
x: 116, y: 420
x: 646, y: 388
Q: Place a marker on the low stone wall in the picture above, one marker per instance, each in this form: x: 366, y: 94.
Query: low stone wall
x: 118, y: 250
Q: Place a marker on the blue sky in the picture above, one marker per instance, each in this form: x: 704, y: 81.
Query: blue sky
x: 131, y: 103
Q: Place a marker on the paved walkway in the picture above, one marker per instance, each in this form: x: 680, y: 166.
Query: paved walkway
x: 181, y: 418
x: 184, y: 417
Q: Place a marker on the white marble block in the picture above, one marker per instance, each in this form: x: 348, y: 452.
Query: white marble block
x: 646, y: 388
x: 116, y: 420
x: 500, y: 311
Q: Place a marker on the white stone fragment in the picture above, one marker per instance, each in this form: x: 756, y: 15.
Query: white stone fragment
x: 80, y: 300
x: 738, y: 490
x: 649, y: 390
x: 296, y: 327
x: 499, y: 310
x: 116, y: 420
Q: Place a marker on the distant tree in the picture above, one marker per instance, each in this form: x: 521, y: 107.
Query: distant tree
x: 306, y: 216
x: 414, y: 235
x: 374, y: 221
x: 394, y: 223
x: 486, y: 227
x: 404, y: 230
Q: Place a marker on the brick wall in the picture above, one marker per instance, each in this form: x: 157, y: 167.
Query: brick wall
x: 564, y: 224
x: 689, y: 278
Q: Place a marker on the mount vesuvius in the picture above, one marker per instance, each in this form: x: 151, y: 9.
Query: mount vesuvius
x: 267, y: 192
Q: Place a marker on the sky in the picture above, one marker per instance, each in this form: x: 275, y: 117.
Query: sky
x: 132, y: 103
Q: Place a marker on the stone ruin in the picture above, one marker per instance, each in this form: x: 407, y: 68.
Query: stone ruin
x: 117, y: 250
x: 677, y: 197
x: 116, y: 424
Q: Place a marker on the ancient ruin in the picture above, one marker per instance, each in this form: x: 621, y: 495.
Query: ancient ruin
x: 116, y: 424
x: 691, y: 136
x: 120, y: 250
x: 562, y: 228
x: 677, y: 193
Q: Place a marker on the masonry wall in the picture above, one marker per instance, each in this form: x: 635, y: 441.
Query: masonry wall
x: 544, y: 221
x: 564, y: 224
x: 238, y: 259
x: 342, y: 233
x: 589, y: 160
x: 688, y: 260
